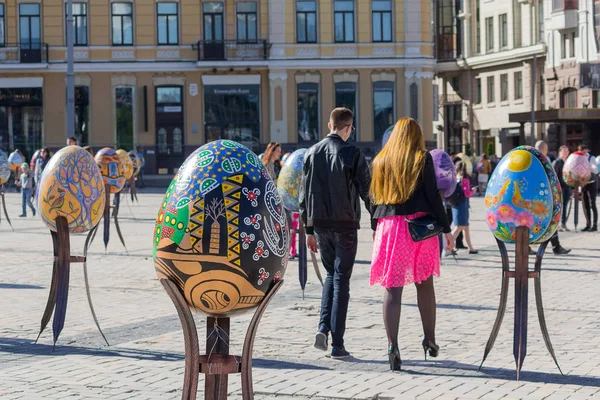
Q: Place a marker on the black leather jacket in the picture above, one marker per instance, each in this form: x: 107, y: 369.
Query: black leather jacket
x: 335, y: 176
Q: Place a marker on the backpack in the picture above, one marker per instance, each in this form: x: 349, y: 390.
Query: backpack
x: 458, y: 196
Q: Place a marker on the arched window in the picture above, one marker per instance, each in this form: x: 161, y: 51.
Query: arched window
x: 568, y: 98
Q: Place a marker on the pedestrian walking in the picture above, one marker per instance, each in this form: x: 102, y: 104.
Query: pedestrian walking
x: 335, y: 177
x: 25, y: 182
x: 558, y: 250
x: 271, y: 160
x: 590, y: 192
x: 558, y: 165
x: 404, y: 187
x: 40, y: 164
x: 460, y: 209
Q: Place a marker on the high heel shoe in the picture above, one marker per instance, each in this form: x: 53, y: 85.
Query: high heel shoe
x: 430, y: 346
x: 395, y: 360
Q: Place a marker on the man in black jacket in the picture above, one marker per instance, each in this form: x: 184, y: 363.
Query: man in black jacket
x: 334, y: 179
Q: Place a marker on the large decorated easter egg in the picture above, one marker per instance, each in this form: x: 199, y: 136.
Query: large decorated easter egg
x: 4, y: 168
x: 445, y: 172
x: 290, y: 177
x: 137, y: 162
x: 285, y: 157
x: 15, y: 160
x: 111, y: 168
x: 386, y: 135
x: 523, y: 191
x: 126, y: 160
x: 221, y: 234
x: 464, y: 158
x: 577, y: 170
x: 71, y: 186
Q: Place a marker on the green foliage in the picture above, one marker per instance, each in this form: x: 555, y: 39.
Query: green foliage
x: 490, y: 149
x: 468, y: 149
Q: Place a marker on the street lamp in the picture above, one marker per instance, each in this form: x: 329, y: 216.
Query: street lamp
x: 70, y: 73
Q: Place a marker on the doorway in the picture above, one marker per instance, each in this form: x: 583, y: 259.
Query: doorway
x: 169, y: 127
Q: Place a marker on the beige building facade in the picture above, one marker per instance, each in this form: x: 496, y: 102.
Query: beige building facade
x: 167, y: 77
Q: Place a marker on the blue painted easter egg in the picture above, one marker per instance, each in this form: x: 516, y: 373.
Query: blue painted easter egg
x: 221, y: 234
x: 523, y: 191
x: 290, y: 177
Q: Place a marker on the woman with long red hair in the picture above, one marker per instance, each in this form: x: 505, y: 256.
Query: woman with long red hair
x: 271, y: 160
x: 404, y: 187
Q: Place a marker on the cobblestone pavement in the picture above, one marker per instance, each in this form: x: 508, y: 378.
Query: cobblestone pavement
x: 145, y: 358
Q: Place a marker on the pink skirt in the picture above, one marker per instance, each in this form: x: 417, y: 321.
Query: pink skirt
x: 398, y: 260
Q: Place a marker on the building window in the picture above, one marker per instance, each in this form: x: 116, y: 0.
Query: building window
x: 540, y: 10
x: 122, y: 24
x: 436, y: 103
x: 489, y: 34
x: 344, y: 21
x: 449, y: 36
x: 167, y: 21
x: 504, y: 87
x: 382, y: 21
x: 559, y: 5
x: 247, y: 26
x: 519, y: 85
x: 213, y: 21
x: 82, y: 103
x: 2, y: 40
x: 568, y: 98
x: 30, y: 34
x: 564, y: 45
x: 574, y: 37
x: 308, y: 112
x: 79, y: 24
x: 503, y: 31
x: 345, y: 96
x: 124, y: 116
x: 595, y: 98
x: 478, y: 91
x: 306, y: 22
x: 383, y: 108
x: 414, y: 101
x: 491, y: 93
x: 477, y: 27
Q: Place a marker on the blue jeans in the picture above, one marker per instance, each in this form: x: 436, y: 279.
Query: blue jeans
x: 338, y: 251
x: 26, y: 199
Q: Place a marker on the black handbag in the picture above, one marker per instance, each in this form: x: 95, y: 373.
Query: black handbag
x: 424, y: 227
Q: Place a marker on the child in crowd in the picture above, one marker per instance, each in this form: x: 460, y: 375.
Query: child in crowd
x: 25, y: 182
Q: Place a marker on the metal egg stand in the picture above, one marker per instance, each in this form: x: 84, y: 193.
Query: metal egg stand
x: 3, y: 201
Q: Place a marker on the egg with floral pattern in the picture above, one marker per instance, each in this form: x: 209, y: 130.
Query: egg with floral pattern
x: 523, y: 191
x: 112, y: 169
x: 445, y: 172
x: 577, y: 170
x: 4, y: 168
x: 290, y: 177
x: 221, y: 234
x: 71, y: 186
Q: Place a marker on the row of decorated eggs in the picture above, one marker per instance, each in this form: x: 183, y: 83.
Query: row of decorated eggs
x: 4, y: 168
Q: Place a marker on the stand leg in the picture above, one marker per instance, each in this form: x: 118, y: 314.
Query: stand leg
x: 302, y: 259
x: 116, y: 218
x: 521, y: 299
x: 190, y: 338
x: 62, y: 289
x: 52, y: 295
x: 107, y: 217
x: 315, y: 262
x: 538, y: 302
x: 4, y: 209
x: 576, y: 212
x: 215, y: 385
x: 247, y: 389
x: 503, y: 301
x: 87, y: 290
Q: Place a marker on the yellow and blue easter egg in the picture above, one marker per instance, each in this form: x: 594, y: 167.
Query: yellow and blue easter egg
x: 111, y: 168
x: 4, y: 168
x: 221, y: 234
x: 126, y: 160
x: 290, y: 177
x: 523, y: 191
x: 71, y: 186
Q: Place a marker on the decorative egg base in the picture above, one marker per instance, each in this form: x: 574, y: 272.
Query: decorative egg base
x: 521, y: 274
x: 3, y: 201
x: 106, y: 217
x: 59, y: 286
x: 133, y: 190
x: 218, y: 364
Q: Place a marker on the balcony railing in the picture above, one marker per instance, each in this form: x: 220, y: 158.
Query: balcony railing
x: 559, y: 5
x: 232, y: 50
x: 23, y: 53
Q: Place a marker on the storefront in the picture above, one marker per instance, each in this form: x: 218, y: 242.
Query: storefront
x: 21, y: 117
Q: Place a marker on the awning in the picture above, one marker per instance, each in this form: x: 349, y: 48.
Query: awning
x: 7, y: 83
x: 560, y: 115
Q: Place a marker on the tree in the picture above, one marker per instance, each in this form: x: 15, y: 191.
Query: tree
x: 214, y: 211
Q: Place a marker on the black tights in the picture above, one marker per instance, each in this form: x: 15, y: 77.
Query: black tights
x: 392, y: 302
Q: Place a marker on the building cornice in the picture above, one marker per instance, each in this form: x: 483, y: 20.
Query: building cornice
x: 493, y: 59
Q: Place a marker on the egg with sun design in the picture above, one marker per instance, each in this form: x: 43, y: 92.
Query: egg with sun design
x: 221, y: 235
x: 523, y: 191
x: 577, y: 170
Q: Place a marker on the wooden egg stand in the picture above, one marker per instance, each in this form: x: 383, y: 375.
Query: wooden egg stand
x: 59, y: 285
x: 521, y: 274
x: 106, y: 217
x: 3, y: 201
x: 218, y: 363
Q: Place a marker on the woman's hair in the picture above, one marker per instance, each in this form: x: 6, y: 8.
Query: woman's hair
x: 45, y: 149
x: 461, y: 170
x: 398, y: 166
x: 271, y: 147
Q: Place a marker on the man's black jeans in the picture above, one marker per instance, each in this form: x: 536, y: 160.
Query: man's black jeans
x: 338, y: 251
x: 567, y: 192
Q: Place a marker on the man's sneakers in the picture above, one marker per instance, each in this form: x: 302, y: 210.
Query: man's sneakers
x: 321, y: 339
x: 561, y: 251
x: 339, y: 353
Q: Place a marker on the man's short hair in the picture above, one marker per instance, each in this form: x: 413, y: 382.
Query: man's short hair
x: 341, y: 117
x: 540, y: 144
x: 582, y: 147
x: 72, y: 139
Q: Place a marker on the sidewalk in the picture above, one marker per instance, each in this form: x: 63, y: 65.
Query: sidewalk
x: 145, y: 359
